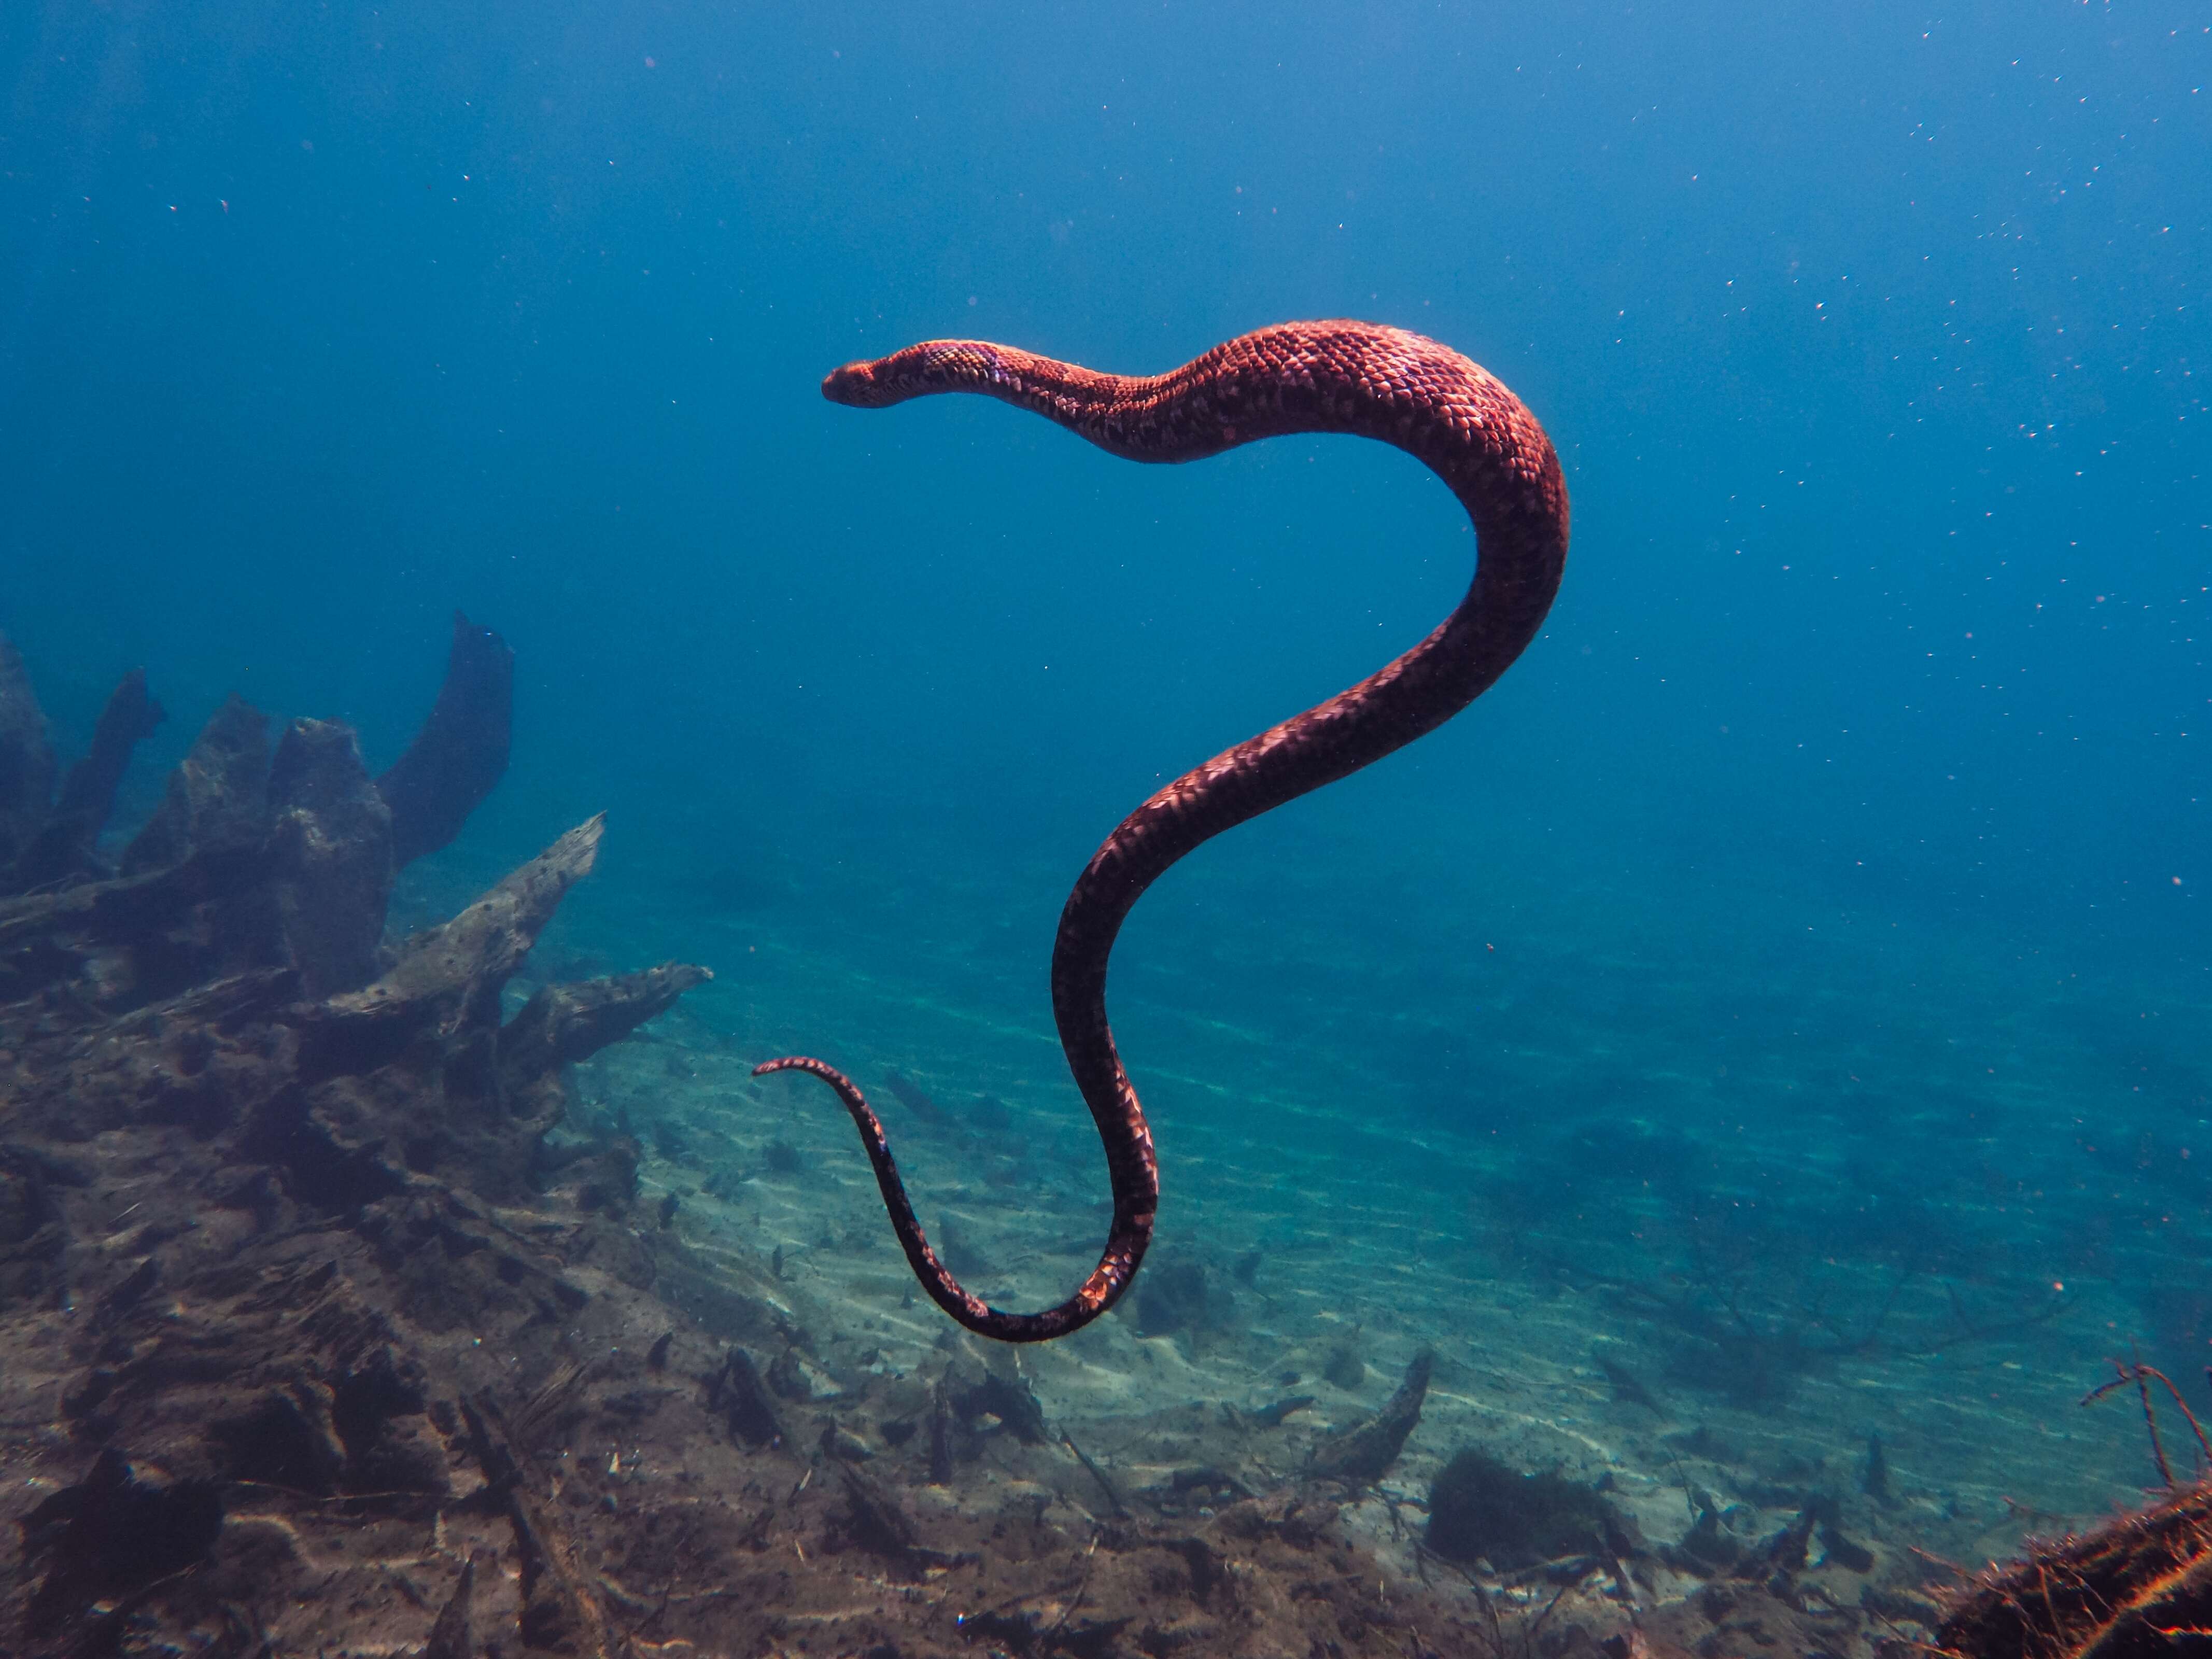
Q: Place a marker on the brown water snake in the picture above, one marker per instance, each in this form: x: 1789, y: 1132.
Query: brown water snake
x: 1347, y: 377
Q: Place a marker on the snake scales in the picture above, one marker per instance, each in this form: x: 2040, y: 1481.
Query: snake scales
x: 1347, y: 377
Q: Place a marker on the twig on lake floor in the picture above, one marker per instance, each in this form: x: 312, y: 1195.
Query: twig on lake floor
x: 2134, y: 1371
x: 1098, y: 1474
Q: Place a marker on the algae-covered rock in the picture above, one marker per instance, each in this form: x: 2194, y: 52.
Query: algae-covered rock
x: 1482, y: 1509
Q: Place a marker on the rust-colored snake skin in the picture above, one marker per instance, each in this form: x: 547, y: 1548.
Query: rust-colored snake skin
x: 1296, y: 377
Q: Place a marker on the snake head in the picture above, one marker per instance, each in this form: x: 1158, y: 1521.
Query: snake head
x: 920, y: 371
x: 857, y: 386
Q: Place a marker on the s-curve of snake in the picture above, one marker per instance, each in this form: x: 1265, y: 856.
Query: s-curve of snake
x: 1342, y: 377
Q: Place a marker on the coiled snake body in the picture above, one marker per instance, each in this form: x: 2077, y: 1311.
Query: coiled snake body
x: 1347, y: 377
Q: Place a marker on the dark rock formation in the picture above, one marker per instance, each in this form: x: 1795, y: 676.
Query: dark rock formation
x: 461, y: 750
x: 1480, y: 1509
x: 118, y: 1529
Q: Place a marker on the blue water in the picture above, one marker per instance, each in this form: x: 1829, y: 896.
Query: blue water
x: 1830, y: 872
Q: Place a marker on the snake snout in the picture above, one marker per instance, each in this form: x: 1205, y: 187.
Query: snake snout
x: 855, y: 385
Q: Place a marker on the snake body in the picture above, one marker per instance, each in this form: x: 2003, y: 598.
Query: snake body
x: 1346, y: 377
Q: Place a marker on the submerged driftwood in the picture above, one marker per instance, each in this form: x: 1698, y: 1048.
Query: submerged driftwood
x: 238, y: 977
x: 215, y: 1023
x: 252, y: 859
x: 1365, y: 1450
x: 461, y: 752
